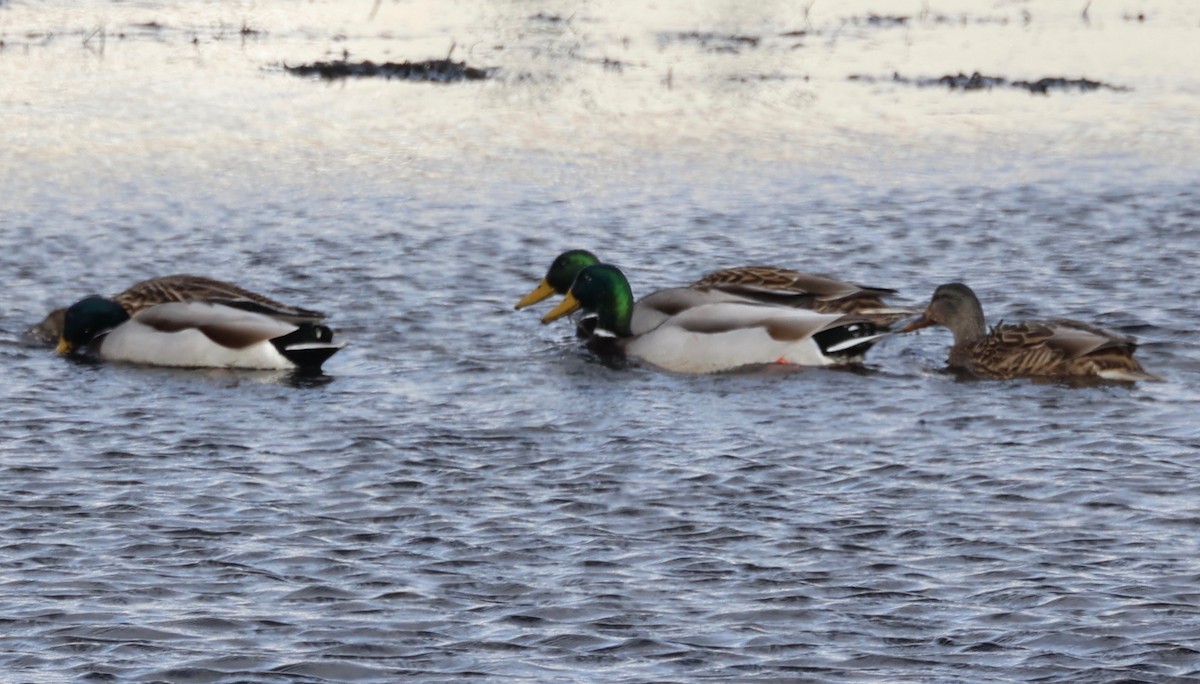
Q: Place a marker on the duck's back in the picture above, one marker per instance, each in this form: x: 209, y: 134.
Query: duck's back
x: 188, y: 288
x: 655, y: 308
x: 1050, y: 348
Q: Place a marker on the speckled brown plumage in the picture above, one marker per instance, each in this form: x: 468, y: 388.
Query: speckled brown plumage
x: 185, y: 288
x: 805, y: 290
x: 1052, y: 348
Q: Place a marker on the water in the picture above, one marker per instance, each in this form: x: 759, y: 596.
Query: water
x: 466, y: 493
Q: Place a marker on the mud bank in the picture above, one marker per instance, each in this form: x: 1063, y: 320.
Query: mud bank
x: 434, y: 70
x: 978, y: 81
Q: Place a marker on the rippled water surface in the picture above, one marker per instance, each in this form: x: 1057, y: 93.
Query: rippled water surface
x: 465, y: 493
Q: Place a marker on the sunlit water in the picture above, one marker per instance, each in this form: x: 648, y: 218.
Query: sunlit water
x: 466, y: 493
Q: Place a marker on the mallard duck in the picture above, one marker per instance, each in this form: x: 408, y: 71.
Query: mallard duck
x: 713, y: 337
x: 1052, y: 348
x: 185, y: 288
x: 201, y: 334
x: 746, y: 284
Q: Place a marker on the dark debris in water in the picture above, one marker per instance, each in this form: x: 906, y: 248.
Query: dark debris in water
x: 549, y: 18
x: 764, y: 78
x: 900, y: 20
x: 609, y: 64
x: 883, y: 20
x: 714, y: 42
x: 978, y: 81
x: 433, y: 70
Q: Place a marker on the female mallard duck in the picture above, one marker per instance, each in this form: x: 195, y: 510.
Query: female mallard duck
x: 746, y: 284
x: 712, y: 337
x: 1053, y: 348
x: 202, y: 334
x: 185, y: 288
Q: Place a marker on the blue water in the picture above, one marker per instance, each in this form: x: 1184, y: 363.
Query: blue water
x: 466, y: 493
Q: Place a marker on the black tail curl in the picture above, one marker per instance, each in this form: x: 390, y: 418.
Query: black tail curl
x: 848, y: 341
x: 308, y: 346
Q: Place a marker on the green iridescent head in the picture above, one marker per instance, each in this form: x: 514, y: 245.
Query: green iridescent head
x: 87, y: 319
x: 560, y: 276
x: 601, y: 289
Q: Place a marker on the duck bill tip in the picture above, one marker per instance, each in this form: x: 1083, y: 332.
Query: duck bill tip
x: 567, y: 306
x: 922, y: 322
x: 542, y: 291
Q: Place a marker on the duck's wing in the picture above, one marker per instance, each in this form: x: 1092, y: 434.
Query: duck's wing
x: 757, y: 281
x: 784, y: 286
x: 1065, y: 339
x: 654, y: 309
x: 227, y: 326
x: 1055, y: 348
x: 1077, y: 338
x: 187, y: 288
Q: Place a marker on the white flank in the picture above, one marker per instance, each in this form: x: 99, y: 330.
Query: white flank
x: 136, y: 342
x: 745, y: 341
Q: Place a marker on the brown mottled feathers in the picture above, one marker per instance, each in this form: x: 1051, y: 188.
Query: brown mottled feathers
x: 186, y: 288
x: 1052, y: 348
x: 775, y: 280
x: 51, y: 327
x: 774, y: 285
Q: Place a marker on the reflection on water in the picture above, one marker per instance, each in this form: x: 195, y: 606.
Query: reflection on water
x: 468, y: 492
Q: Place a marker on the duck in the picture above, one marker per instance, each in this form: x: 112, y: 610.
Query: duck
x: 714, y: 336
x: 1051, y: 348
x: 184, y: 288
x: 193, y: 334
x: 744, y: 284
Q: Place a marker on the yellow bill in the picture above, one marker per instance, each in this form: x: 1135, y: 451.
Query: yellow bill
x: 539, y: 293
x: 566, y: 306
x: 64, y: 347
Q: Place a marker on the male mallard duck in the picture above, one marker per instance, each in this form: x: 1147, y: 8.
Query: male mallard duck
x: 199, y: 334
x: 1053, y: 348
x: 185, y: 288
x: 747, y: 284
x: 712, y: 337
